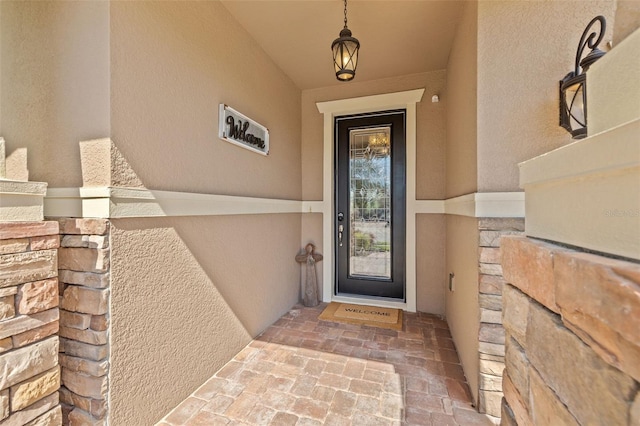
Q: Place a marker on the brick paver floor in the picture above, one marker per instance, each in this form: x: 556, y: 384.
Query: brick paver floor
x: 305, y: 371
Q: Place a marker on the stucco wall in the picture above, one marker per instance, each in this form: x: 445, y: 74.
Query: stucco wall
x: 461, y: 101
x: 172, y: 64
x: 189, y: 292
x: 524, y: 49
x: 462, y: 309
x: 430, y: 263
x: 55, y: 78
x: 627, y: 19
x: 190, y: 295
x: 430, y: 165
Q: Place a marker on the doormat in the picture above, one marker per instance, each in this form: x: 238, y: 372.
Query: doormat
x: 359, y: 314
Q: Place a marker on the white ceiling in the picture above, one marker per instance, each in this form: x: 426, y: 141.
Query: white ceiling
x: 397, y: 37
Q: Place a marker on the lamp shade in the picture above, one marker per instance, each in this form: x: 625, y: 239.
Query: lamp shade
x: 345, y: 55
x: 573, y: 105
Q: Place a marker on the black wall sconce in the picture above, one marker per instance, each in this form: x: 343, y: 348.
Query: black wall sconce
x: 573, y: 87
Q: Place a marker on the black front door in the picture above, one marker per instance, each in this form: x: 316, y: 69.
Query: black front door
x: 370, y: 204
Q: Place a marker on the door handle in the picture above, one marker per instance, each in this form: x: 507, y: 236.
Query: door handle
x: 340, y: 229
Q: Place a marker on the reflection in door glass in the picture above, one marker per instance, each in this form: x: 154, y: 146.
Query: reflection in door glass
x: 370, y: 202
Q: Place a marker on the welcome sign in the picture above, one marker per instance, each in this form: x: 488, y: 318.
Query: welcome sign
x: 242, y: 131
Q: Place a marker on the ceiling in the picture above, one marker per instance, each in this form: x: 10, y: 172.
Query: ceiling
x: 397, y: 37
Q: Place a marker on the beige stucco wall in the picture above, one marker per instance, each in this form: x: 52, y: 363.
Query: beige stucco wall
x: 524, y: 49
x: 172, y: 64
x: 627, y: 19
x: 430, y: 165
x: 461, y: 101
x: 54, y: 85
x: 430, y: 263
x: 191, y: 293
x: 462, y: 308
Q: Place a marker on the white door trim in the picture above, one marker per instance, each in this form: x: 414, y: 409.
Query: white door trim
x: 331, y: 109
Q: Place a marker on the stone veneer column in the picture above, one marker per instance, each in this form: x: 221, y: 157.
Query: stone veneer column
x: 572, y: 323
x: 491, y: 335
x: 29, y: 370
x: 84, y: 320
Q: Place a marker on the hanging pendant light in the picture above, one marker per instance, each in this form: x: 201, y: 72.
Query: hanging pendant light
x: 345, y: 52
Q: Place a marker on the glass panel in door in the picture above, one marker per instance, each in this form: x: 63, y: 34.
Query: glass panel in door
x: 370, y: 202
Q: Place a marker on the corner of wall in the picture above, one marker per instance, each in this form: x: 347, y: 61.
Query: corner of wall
x: 461, y: 101
x: 462, y: 305
x: 491, y: 334
x: 84, y: 272
x: 627, y: 19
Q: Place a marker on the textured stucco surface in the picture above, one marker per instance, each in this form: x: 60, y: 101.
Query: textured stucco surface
x: 461, y: 101
x: 189, y: 292
x: 462, y: 310
x: 103, y: 165
x: 430, y: 263
x: 461, y: 306
x: 186, y: 295
x: 172, y: 64
x: 524, y: 49
x: 55, y: 78
x: 627, y: 19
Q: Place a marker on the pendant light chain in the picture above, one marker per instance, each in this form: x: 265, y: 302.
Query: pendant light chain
x: 345, y: 13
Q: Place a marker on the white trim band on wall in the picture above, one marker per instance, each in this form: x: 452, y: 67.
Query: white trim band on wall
x: 107, y: 202
x: 114, y: 203
x: 21, y: 201
x: 586, y: 194
x: 486, y: 204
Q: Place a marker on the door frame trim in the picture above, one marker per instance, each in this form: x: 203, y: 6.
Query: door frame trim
x: 330, y: 109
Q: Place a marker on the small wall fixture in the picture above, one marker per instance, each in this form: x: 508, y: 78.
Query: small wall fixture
x: 573, y: 87
x: 345, y: 52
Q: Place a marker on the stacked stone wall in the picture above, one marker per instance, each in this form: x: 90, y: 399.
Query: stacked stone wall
x: 84, y: 320
x: 572, y: 340
x: 29, y: 369
x: 491, y: 335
